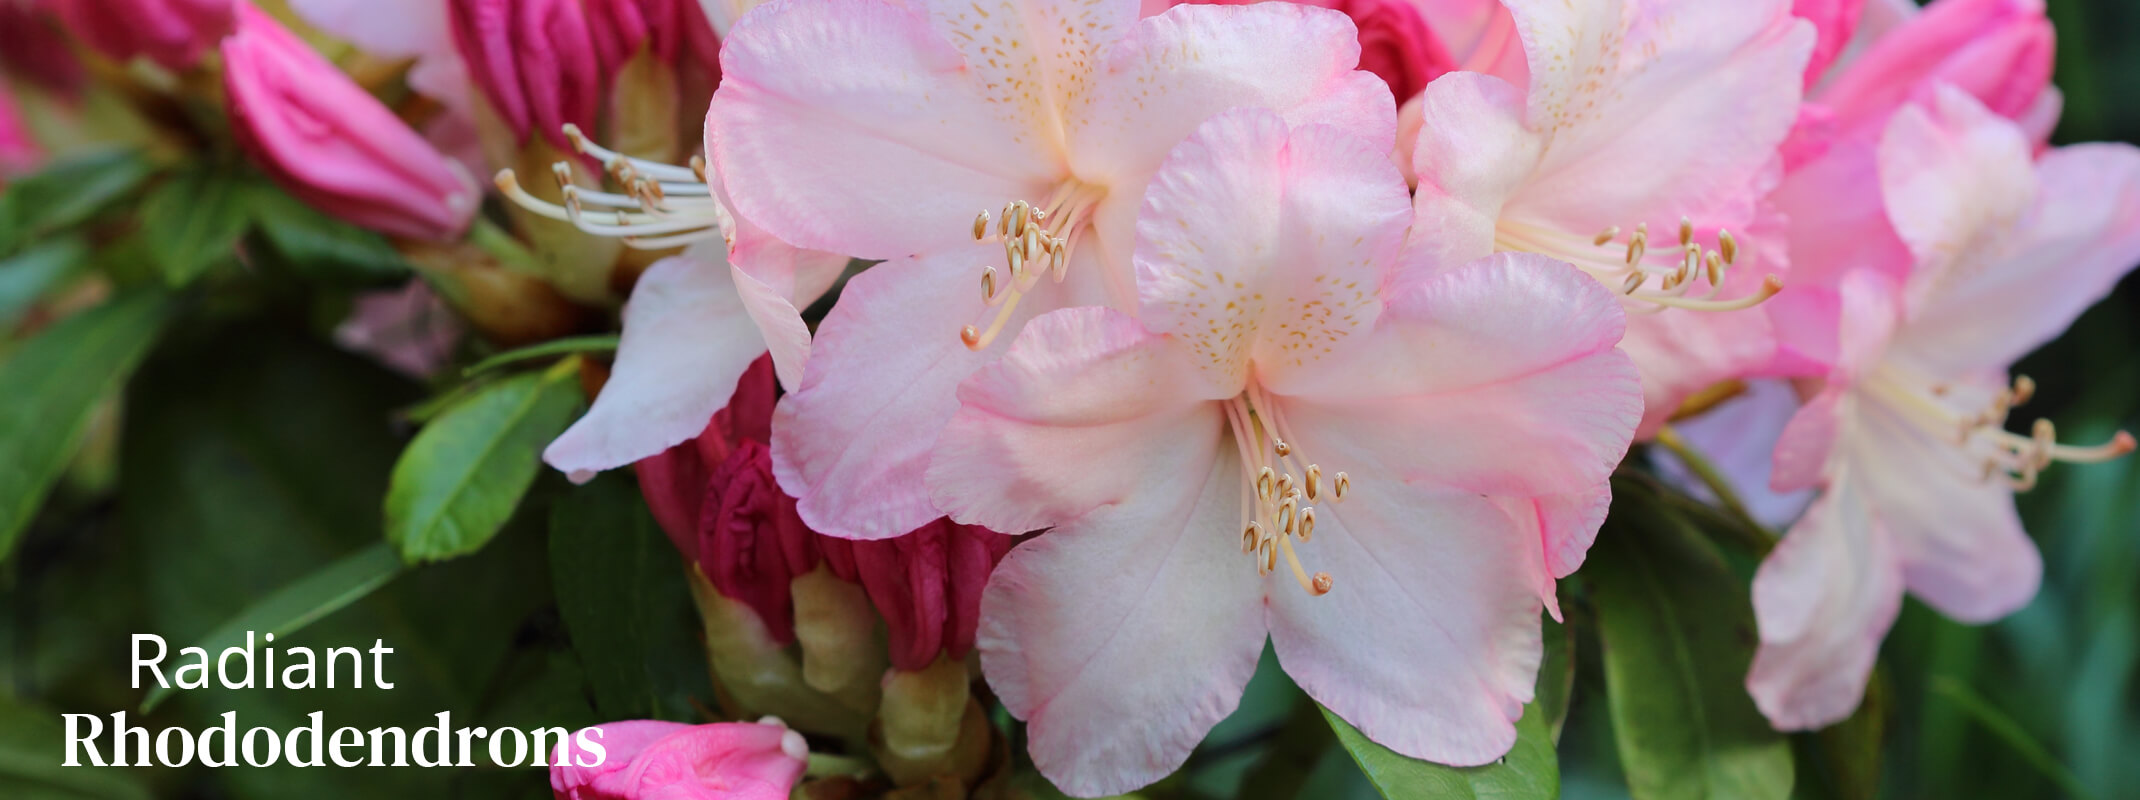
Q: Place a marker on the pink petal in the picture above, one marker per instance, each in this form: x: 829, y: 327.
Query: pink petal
x: 1500, y: 378
x: 859, y: 127
x: 851, y: 442
x: 1961, y: 543
x: 776, y: 280
x: 1806, y: 445
x: 1428, y: 641
x: 1565, y: 526
x: 1472, y: 156
x: 1261, y: 243
x: 1680, y: 353
x: 1123, y: 637
x: 2082, y: 237
x: 2000, y: 51
x: 1293, y: 59
x: 1481, y: 35
x: 1658, y: 108
x: 686, y: 341
x: 1957, y: 179
x: 1043, y: 436
x: 1824, y: 599
x: 1805, y: 450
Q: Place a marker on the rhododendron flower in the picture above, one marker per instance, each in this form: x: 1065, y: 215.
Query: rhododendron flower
x: 878, y: 130
x: 1289, y: 437
x: 333, y: 145
x: 1909, y: 436
x: 716, y: 498
x: 1655, y: 117
x: 1836, y: 22
x: 1996, y: 50
x: 172, y: 33
x: 649, y: 760
x: 421, y: 31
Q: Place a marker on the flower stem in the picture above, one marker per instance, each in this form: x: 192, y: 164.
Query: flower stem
x: 1707, y: 473
x: 825, y: 764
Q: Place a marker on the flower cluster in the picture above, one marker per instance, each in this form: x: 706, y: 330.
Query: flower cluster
x: 1085, y: 348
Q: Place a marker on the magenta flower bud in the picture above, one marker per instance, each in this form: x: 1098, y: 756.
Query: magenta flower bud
x: 173, y: 33
x: 19, y: 154
x: 536, y: 62
x: 670, y: 29
x: 648, y: 760
x: 1396, y: 43
x: 330, y: 143
x: 1999, y: 51
x: 716, y: 498
x: 1836, y: 21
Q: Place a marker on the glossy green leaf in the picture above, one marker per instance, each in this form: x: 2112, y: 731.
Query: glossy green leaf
x: 1556, y: 675
x: 1678, y: 634
x: 53, y: 384
x: 32, y: 749
x: 293, y: 607
x: 621, y: 590
x: 1530, y: 770
x: 192, y: 222
x: 316, y: 246
x: 465, y: 473
x: 597, y: 343
x: 66, y: 194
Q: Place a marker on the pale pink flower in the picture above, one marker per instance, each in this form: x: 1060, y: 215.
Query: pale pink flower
x: 1837, y: 23
x: 878, y: 130
x: 172, y: 33
x: 1283, y: 400
x: 649, y: 760
x: 1641, y: 156
x: 333, y: 145
x: 1908, y: 437
x: 1997, y: 50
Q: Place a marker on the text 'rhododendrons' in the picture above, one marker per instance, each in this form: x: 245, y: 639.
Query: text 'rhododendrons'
x: 1641, y: 119
x: 1909, y: 436
x: 879, y: 130
x: 649, y: 760
x: 1289, y: 436
x: 329, y: 142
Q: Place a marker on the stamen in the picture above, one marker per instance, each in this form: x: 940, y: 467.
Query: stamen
x: 1315, y: 480
x: 1306, y: 531
x: 1035, y: 241
x: 988, y: 285
x: 661, y: 206
x: 980, y: 227
x: 2019, y: 460
x: 1277, y: 514
x: 1338, y: 489
x: 1728, y: 246
x: 1606, y: 236
x: 1686, y: 232
x: 1264, y: 481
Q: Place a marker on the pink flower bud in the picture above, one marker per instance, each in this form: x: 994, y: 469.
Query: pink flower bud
x: 648, y: 760
x: 1836, y: 21
x: 2000, y: 51
x: 19, y: 153
x: 716, y: 498
x: 671, y: 29
x: 32, y: 49
x: 173, y: 33
x: 536, y: 62
x: 330, y: 143
x: 1395, y: 42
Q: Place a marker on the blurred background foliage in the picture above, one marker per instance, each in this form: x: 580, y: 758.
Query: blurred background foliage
x: 254, y: 454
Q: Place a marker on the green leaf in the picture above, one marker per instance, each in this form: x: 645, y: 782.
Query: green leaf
x: 30, y: 274
x: 319, y: 247
x: 460, y: 480
x: 620, y: 588
x: 66, y: 194
x: 299, y: 604
x: 193, y: 221
x: 32, y: 749
x: 1530, y: 770
x: 598, y: 343
x: 1678, y: 634
x: 1556, y: 675
x: 2010, y: 733
x: 53, y: 384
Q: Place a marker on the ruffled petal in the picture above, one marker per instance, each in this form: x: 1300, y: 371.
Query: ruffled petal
x: 1658, y: 108
x: 1501, y: 378
x: 687, y: 338
x: 1958, y: 180
x: 1429, y: 640
x: 1124, y: 636
x: 1055, y: 429
x: 852, y: 441
x: 1472, y: 156
x: 859, y: 127
x: 2082, y: 238
x: 1823, y: 599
